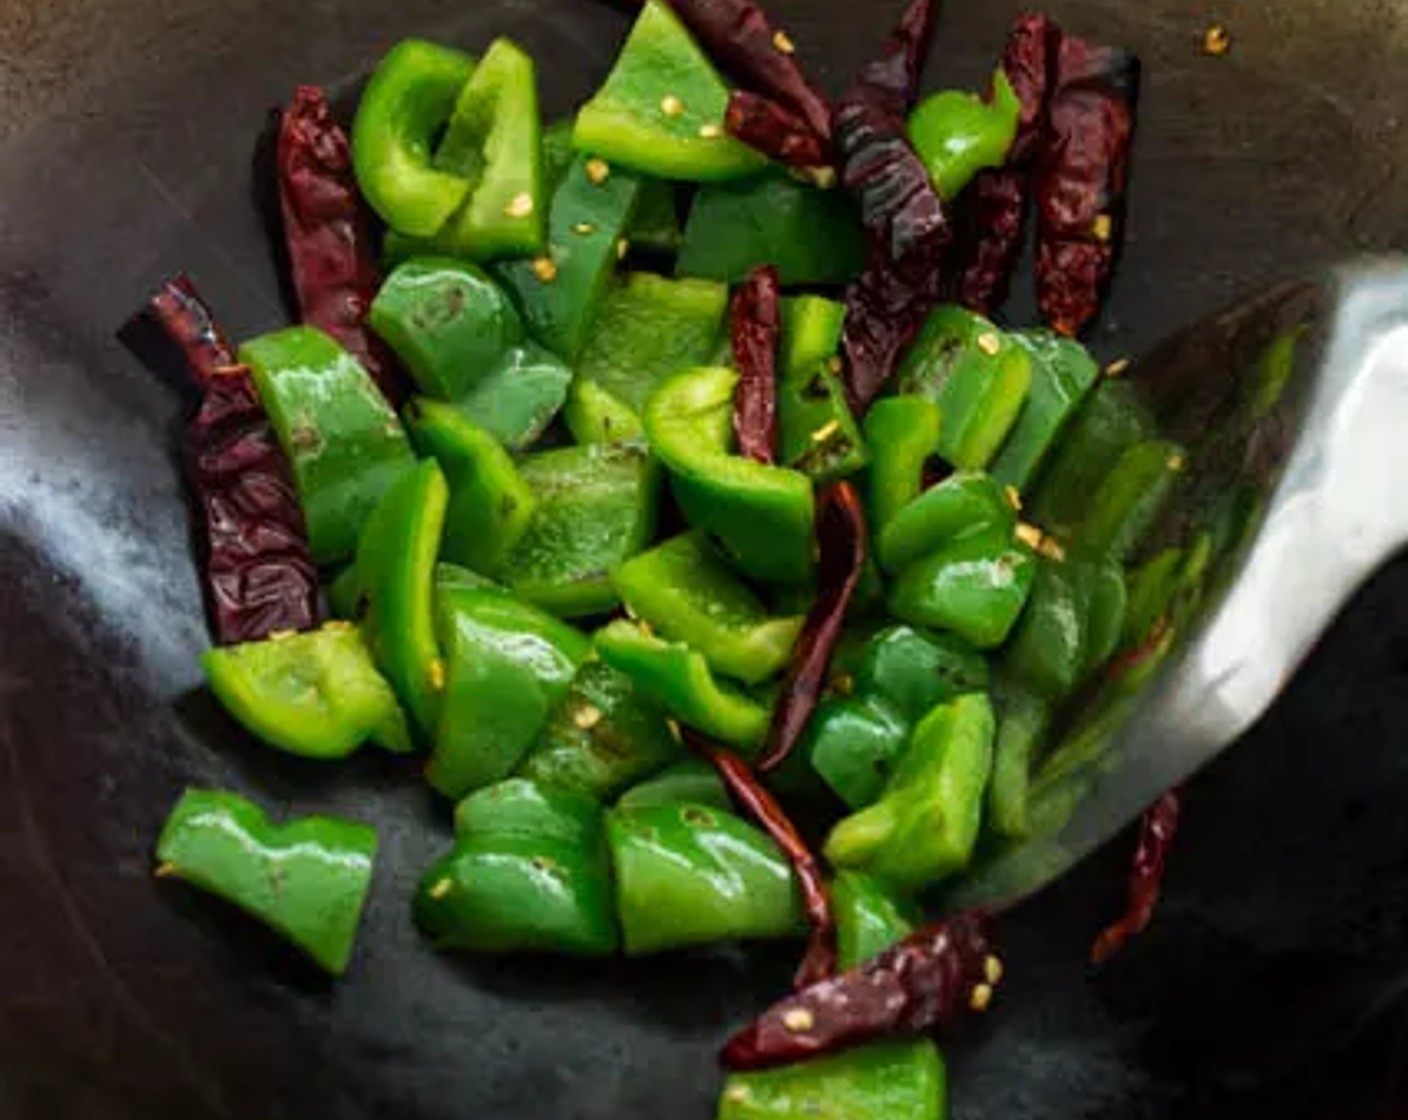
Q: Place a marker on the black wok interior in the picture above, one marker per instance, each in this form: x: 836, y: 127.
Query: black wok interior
x: 1275, y: 982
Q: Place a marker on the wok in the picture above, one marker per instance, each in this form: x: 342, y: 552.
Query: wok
x: 1273, y: 982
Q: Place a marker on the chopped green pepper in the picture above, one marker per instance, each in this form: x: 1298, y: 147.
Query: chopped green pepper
x: 408, y: 101
x: 1109, y: 601
x: 655, y: 229
x: 965, y: 502
x: 914, y: 671
x: 870, y: 918
x: 661, y: 109
x: 1023, y: 721
x: 817, y: 432
x: 341, y: 438
x: 958, y: 134
x: 596, y: 415
x: 882, y: 1081
x: 811, y: 333
x: 307, y: 880
x: 683, y: 590
x: 519, y: 397
x: 902, y: 433
x: 852, y: 744
x: 692, y: 875
x: 691, y: 781
x: 1063, y: 373
x: 1050, y: 645
x: 1130, y: 499
x: 1152, y: 587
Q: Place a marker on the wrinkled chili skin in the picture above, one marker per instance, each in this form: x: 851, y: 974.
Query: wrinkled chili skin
x: 756, y: 328
x: 1082, y: 180
x: 996, y: 204
x: 844, y: 543
x: 1157, y: 830
x: 767, y: 813
x: 925, y: 982
x: 259, y: 577
x: 739, y: 37
x: 769, y: 128
x: 327, y: 236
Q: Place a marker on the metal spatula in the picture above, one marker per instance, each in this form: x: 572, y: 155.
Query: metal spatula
x: 1295, y: 408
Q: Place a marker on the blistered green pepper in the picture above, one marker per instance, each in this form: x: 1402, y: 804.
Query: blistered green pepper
x: 507, y: 666
x: 903, y: 434
x: 1130, y: 499
x: 493, y: 140
x: 810, y: 236
x: 519, y: 397
x: 447, y: 321
x: 646, y: 329
x: 307, y: 879
x: 491, y: 506
x: 1063, y: 373
x: 914, y: 671
x: 762, y: 516
x: 965, y: 502
x: 852, y: 743
x: 396, y: 572
x: 1023, y: 721
x: 602, y: 737
x: 597, y: 508
x: 924, y: 828
x: 341, y: 438
x: 406, y: 104
x: 692, y: 875
x: 977, y: 376
x: 661, y: 109
x: 975, y: 586
x: 691, y: 781
x: 685, y: 592
x: 317, y: 695
x: 530, y: 871
x: 958, y: 134
x: 881, y: 1081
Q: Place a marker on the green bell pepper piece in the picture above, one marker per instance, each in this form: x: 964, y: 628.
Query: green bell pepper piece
x: 762, y: 516
x: 646, y: 329
x: 529, y: 872
x: 447, y: 321
x: 307, y: 879
x: 811, y: 332
x: 596, y: 415
x: 408, y: 101
x: 817, y: 433
x: 678, y: 678
x: 690, y: 781
x: 810, y: 236
x: 1130, y: 499
x: 903, y: 434
x: 975, y: 586
x: 491, y: 506
x: 882, y: 1081
x: 1063, y: 374
x: 602, y: 737
x: 518, y: 399
x: 692, y: 875
x: 1109, y: 601
x: 958, y: 134
x: 655, y: 229
x: 494, y: 140
x: 661, y: 109
x: 1050, y: 646
x: 1152, y: 587
x: 597, y: 508
x: 559, y: 293
x: 914, y: 671
x: 342, y: 440
x: 1023, y: 722
x: 558, y: 153
x: 684, y: 591
x: 316, y: 695
x: 963, y: 503
x: 925, y: 827
x: 455, y: 577
x: 396, y: 571
x: 977, y: 376
x: 870, y: 918
x: 853, y: 743
x: 508, y: 665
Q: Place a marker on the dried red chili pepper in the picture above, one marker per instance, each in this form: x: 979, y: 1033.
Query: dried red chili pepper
x: 756, y: 328
x: 767, y: 813
x: 740, y: 38
x: 926, y: 981
x: 1157, y: 830
x: 327, y: 235
x: 844, y: 544
x: 259, y: 575
x: 904, y: 219
x: 996, y: 204
x: 777, y: 133
x: 1082, y: 179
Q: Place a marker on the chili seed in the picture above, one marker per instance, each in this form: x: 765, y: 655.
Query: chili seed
x: 584, y: 228
x: 164, y: 870
x: 1014, y: 497
x: 545, y: 269
x: 1030, y: 535
x: 671, y: 105
x: 622, y: 248
x: 737, y: 1094
x: 835, y: 365
x: 1176, y: 463
x: 598, y: 171
x: 710, y: 131
x: 799, y: 1020
x: 520, y: 206
x: 993, y: 970
x: 282, y: 635
x: 981, y: 998
x: 1117, y: 368
x: 442, y: 888
x: 1217, y: 41
x: 437, y: 675
x: 337, y: 626
x: 990, y: 343
x: 1104, y: 228
x: 1052, y: 549
x: 824, y: 433
x: 587, y: 717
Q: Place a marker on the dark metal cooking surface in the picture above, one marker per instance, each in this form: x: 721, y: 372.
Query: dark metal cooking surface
x: 1276, y: 980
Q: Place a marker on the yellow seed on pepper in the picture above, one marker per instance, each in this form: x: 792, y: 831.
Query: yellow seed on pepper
x: 587, y: 717
x: 1117, y: 368
x: 520, y: 206
x: 981, y: 998
x: 545, y: 269
x: 441, y: 889
x: 583, y: 228
x: 710, y: 131
x: 671, y: 105
x: 1104, y: 228
x: 990, y: 343
x: 598, y: 171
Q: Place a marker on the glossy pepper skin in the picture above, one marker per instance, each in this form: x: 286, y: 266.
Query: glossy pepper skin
x: 914, y: 670
x: 852, y: 743
x: 692, y: 875
x: 925, y: 825
x: 603, y: 736
x: 1023, y: 723
x: 342, y: 439
x: 631, y: 119
x: 529, y: 872
x: 957, y: 135
x: 1130, y: 499
x: 1063, y: 374
x: 315, y: 695
x: 519, y: 397
x: 691, y: 781
x: 903, y: 434
x: 307, y: 879
x: 1070, y: 628
x: 686, y: 593
x: 817, y: 432
x: 870, y: 918
x: 960, y: 504
x: 410, y: 97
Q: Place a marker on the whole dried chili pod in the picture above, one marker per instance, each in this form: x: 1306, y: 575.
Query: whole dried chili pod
x: 844, y: 544
x: 925, y: 982
x: 996, y: 204
x: 767, y: 813
x: 327, y: 235
x: 1157, y: 830
x: 1082, y: 179
x: 756, y: 329
x: 776, y: 132
x: 259, y: 577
